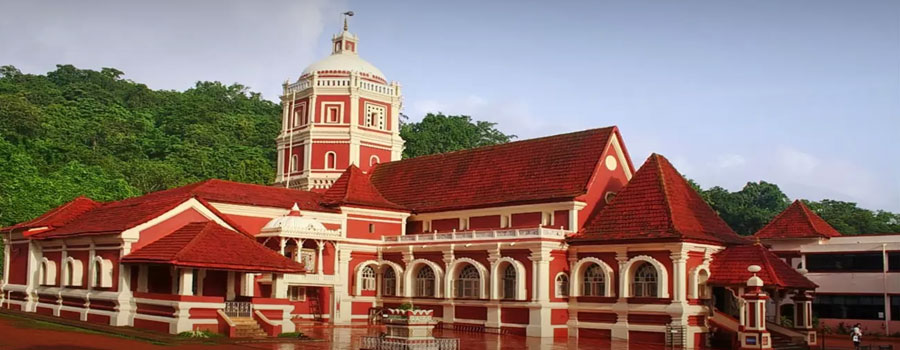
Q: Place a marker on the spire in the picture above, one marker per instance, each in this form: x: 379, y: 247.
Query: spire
x: 346, y: 15
x: 295, y: 210
x: 344, y: 42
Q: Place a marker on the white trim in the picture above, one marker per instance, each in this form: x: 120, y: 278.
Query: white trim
x: 410, y: 282
x: 106, y: 273
x: 576, y: 277
x: 48, y: 269
x: 77, y: 269
x: 556, y: 288
x: 133, y: 233
x: 693, y: 284
x: 452, y: 276
x: 497, y: 281
x: 662, y: 283
x: 326, y: 165
x: 357, y: 273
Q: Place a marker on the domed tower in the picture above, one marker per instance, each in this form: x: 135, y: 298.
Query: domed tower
x: 341, y: 111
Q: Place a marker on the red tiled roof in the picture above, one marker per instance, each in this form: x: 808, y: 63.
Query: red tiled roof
x: 209, y: 245
x: 354, y: 188
x: 658, y: 204
x: 729, y: 267
x: 114, y: 217
x: 797, y: 221
x: 58, y: 216
x: 553, y: 168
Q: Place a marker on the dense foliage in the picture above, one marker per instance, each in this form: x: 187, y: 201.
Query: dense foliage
x: 438, y: 133
x: 82, y: 132
x: 751, y: 208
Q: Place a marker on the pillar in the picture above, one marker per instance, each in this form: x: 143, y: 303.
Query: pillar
x: 620, y: 329
x: 803, y: 316
x: 229, y: 289
x: 447, y: 287
x: 539, y: 318
x: 343, y: 301
x: 185, y: 282
x: 493, y: 308
x: 281, y: 244
x: 33, y: 277
x: 753, y: 333
x: 279, y: 287
x: 319, y: 262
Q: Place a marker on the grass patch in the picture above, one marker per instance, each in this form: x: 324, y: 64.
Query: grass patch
x: 25, y: 322
x: 291, y: 335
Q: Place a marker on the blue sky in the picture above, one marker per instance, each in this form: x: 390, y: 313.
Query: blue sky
x: 805, y: 94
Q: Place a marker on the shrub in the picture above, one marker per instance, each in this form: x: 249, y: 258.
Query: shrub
x: 291, y: 335
x: 198, y: 334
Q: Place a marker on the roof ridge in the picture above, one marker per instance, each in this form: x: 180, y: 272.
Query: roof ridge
x: 665, y: 192
x: 190, y: 244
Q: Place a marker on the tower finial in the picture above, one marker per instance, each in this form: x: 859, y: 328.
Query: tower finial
x: 347, y: 14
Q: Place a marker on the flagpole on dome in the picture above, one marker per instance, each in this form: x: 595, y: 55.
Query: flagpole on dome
x: 346, y: 15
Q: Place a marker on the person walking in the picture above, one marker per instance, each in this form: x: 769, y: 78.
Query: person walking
x: 856, y: 336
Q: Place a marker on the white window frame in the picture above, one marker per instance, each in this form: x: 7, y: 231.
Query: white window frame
x: 597, y: 283
x: 389, y: 285
x: 646, y: 286
x: 367, y: 278
x: 74, y: 272
x: 561, y: 282
x: 295, y: 163
x: 468, y: 286
x: 48, y: 272
x: 327, y: 107
x: 508, y: 282
x: 330, y: 166
x: 102, y: 268
x: 308, y: 258
x: 297, y: 293
x: 374, y: 160
x: 425, y: 283
x: 300, y: 112
x: 375, y: 116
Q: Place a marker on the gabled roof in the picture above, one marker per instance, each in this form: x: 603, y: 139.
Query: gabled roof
x: 209, y: 245
x: 58, y: 216
x: 657, y: 204
x: 354, y: 188
x: 729, y: 267
x: 797, y: 221
x: 117, y: 216
x: 547, y: 169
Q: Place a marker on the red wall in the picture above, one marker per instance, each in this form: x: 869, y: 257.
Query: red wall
x: 215, y: 284
x: 366, y: 153
x: 56, y: 257
x: 359, y: 228
x: 445, y: 225
x: 559, y: 264
x: 320, y: 107
x: 561, y: 219
x: 514, y: 315
x: 342, y: 150
x: 155, y: 232
x: 484, y: 222
x: 298, y: 150
x: 112, y: 256
x: 471, y: 312
x: 603, y: 181
x: 82, y: 256
x: 362, y: 113
x: 526, y: 219
x: 251, y: 224
x: 18, y: 263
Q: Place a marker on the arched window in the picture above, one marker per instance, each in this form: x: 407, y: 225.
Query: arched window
x: 594, y: 283
x: 374, y: 160
x: 468, y: 282
x: 48, y: 272
x: 74, y: 272
x: 509, y: 282
x: 562, y: 285
x: 295, y: 163
x: 102, y: 273
x: 645, y: 281
x: 425, y: 282
x: 389, y: 282
x: 330, y: 160
x: 368, y: 278
x: 702, y: 288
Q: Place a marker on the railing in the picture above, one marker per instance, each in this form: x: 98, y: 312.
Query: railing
x: 541, y: 232
x: 238, y: 309
x: 380, y: 343
x: 306, y: 83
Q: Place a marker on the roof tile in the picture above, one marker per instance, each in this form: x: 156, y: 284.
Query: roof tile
x: 354, y: 188
x: 797, y: 221
x: 729, y: 267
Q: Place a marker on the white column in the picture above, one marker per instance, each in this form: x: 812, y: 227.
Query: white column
x: 32, y: 279
x: 229, y: 289
x: 279, y: 288
x: 539, y: 318
x: 408, y: 277
x: 446, y: 289
x: 281, y: 244
x: 91, y: 266
x: 143, y: 272
x: 5, y: 277
x: 320, y: 269
x: 341, y: 289
x: 620, y: 328
x: 185, y: 282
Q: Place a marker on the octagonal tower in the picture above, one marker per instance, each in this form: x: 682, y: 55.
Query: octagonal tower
x: 341, y: 111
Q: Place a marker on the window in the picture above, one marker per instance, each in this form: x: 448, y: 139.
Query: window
x: 295, y: 163
x: 509, y: 282
x: 102, y: 273
x: 333, y: 114
x: 894, y: 265
x: 297, y: 293
x: 74, y: 272
x: 859, y: 307
x: 389, y: 282
x: 375, y: 116
x: 374, y: 160
x: 300, y: 115
x: 48, y: 272
x: 644, y: 284
x: 368, y: 278
x: 467, y: 283
x: 702, y: 288
x: 895, y: 307
x: 594, y: 282
x: 330, y: 160
x: 562, y: 285
x: 425, y: 282
x: 308, y: 258
x: 848, y: 262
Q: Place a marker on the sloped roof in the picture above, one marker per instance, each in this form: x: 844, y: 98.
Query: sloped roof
x: 729, y: 267
x: 538, y: 170
x: 354, y: 188
x: 797, y: 221
x: 210, y: 245
x: 58, y: 216
x: 117, y: 216
x: 657, y: 204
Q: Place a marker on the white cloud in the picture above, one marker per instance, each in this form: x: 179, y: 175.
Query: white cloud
x: 730, y: 161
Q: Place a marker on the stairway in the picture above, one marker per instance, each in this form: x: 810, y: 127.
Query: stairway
x: 246, y: 327
x: 783, y: 342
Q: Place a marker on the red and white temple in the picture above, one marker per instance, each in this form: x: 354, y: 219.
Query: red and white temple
x: 557, y: 236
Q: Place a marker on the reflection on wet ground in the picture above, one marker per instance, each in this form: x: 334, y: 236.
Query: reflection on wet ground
x: 348, y: 338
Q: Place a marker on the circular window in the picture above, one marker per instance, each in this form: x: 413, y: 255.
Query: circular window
x: 611, y: 163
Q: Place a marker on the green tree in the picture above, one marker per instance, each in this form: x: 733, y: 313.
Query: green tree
x: 439, y: 133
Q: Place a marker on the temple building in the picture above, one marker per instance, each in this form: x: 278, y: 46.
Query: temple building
x: 559, y: 236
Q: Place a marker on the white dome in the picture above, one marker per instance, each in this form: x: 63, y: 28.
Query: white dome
x: 344, y: 61
x: 293, y: 221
